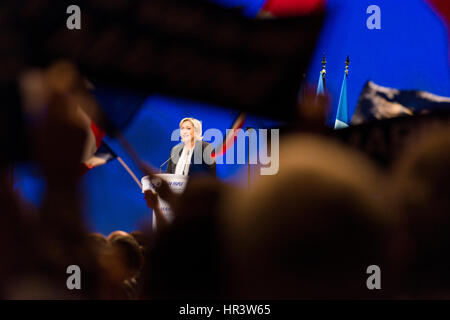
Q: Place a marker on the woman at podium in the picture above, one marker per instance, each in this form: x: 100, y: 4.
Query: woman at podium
x: 192, y: 156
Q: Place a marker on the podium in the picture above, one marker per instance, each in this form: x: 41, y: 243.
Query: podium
x: 177, y: 184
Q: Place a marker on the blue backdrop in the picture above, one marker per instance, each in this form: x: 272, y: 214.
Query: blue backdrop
x: 409, y: 52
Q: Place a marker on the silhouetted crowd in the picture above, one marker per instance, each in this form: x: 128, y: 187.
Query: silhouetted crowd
x: 309, y: 232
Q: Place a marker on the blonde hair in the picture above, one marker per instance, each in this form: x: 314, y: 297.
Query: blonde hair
x: 197, y: 127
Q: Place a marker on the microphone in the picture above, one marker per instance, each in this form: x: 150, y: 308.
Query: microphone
x: 164, y: 163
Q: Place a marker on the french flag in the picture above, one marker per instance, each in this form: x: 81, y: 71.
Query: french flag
x: 231, y: 135
x: 442, y: 8
x: 285, y: 8
x: 100, y: 151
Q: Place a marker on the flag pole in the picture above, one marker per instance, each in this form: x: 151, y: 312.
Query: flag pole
x: 248, y: 156
x: 347, y: 63
x: 132, y: 153
x: 129, y: 172
x: 144, y: 167
x: 324, y: 71
x: 11, y: 175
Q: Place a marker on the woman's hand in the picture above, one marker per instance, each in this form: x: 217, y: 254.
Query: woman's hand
x: 151, y: 198
x: 161, y: 186
x: 152, y: 201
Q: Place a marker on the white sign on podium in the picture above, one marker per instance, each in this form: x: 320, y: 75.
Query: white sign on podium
x: 177, y: 184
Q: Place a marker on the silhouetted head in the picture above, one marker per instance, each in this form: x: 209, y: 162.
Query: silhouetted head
x: 422, y: 189
x: 186, y: 260
x: 117, y: 233
x: 311, y: 230
x: 140, y: 237
x: 128, y: 251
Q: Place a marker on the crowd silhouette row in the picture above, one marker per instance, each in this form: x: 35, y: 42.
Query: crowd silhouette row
x: 308, y: 232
